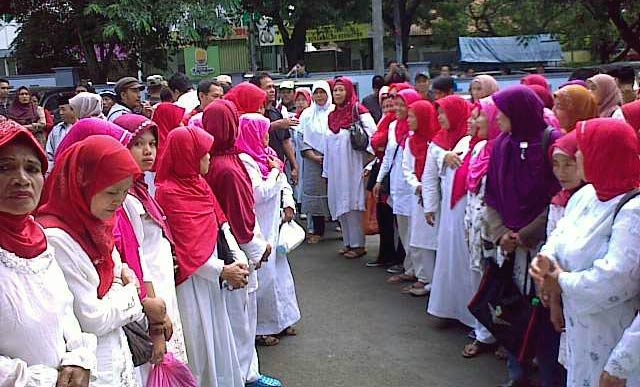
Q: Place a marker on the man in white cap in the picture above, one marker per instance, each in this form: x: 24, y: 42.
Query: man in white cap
x: 225, y: 81
x: 287, y: 93
x: 154, y: 87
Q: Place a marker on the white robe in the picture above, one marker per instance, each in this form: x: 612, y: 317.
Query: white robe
x: 601, y: 285
x: 624, y: 361
x: 402, y: 194
x: 40, y: 333
x: 103, y: 317
x: 276, y: 296
x: 156, y: 260
x: 343, y: 167
x: 452, y: 286
x: 207, y: 330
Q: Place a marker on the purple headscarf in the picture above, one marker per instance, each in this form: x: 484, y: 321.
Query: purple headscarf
x: 87, y: 127
x: 520, y: 183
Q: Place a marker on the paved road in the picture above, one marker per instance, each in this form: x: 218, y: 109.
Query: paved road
x: 359, y: 331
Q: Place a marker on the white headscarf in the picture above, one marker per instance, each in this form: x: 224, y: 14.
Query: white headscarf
x: 314, y: 121
x: 87, y: 105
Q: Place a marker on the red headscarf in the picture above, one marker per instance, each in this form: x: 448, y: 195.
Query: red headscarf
x: 457, y: 111
x: 631, y: 113
x: 74, y: 180
x: 610, y: 150
x: 20, y: 234
x: 535, y: 79
x: 568, y: 145
x: 137, y: 124
x: 544, y: 94
x: 306, y: 93
x: 428, y: 126
x: 247, y: 97
x: 408, y: 96
x: 343, y: 115
x: 167, y: 116
x: 193, y: 212
x: 227, y: 176
x: 381, y: 135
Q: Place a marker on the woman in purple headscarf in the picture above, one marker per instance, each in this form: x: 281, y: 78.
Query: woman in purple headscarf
x: 520, y: 185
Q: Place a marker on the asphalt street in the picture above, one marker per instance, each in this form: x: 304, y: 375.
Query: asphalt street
x: 357, y: 330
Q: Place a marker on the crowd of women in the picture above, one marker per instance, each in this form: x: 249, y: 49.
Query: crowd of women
x: 150, y: 242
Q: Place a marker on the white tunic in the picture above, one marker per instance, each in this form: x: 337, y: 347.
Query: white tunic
x: 103, y: 317
x: 402, y: 193
x: 423, y: 235
x: 39, y: 330
x: 601, y: 286
x: 156, y: 259
x: 452, y: 286
x: 343, y: 167
x: 624, y: 361
x: 207, y: 330
x: 473, y: 217
x: 277, y: 303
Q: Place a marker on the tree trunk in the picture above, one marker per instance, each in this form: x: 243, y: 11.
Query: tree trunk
x: 627, y: 32
x: 93, y: 67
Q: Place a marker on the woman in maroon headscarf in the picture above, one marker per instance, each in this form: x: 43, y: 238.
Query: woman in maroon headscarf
x: 27, y: 114
x: 342, y: 166
x: 43, y: 343
x: 402, y: 193
x: 231, y: 184
x: 83, y: 193
x: 195, y: 218
x: 445, y: 199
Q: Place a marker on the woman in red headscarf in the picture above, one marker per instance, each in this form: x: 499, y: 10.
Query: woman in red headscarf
x: 401, y: 192
x: 591, y: 260
x: 195, y: 218
x: 231, y: 184
x: 445, y: 198
x: 79, y: 216
x: 248, y: 98
x: 167, y: 116
x: 43, y: 344
x: 303, y: 100
x: 146, y: 228
x: 422, y: 242
x: 342, y: 166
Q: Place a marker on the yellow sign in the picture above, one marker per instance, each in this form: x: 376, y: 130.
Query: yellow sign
x: 329, y: 33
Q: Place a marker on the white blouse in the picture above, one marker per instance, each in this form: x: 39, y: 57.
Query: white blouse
x: 39, y: 331
x: 103, y: 317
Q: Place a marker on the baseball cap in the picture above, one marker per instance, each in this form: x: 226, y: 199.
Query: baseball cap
x: 224, y: 79
x: 423, y: 74
x: 128, y: 83
x: 154, y: 80
x: 287, y: 85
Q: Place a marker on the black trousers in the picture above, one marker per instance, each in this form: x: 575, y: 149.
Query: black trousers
x: 391, y: 249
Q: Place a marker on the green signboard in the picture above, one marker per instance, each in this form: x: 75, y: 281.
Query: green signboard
x: 200, y: 63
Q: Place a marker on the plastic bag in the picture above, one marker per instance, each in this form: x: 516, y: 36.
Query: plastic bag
x: 171, y: 373
x: 370, y: 217
x: 291, y: 236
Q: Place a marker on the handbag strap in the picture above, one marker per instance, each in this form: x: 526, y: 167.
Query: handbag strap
x: 355, y: 112
x: 625, y: 199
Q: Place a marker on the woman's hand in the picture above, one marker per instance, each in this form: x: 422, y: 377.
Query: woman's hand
x: 267, y: 254
x: 73, y: 376
x: 431, y: 218
x: 608, y: 380
x: 453, y: 160
x: 509, y: 242
x: 275, y: 163
x: 159, y: 349
x: 288, y: 214
x: 236, y: 274
x: 540, y: 268
x: 155, y: 309
x: 129, y: 277
x: 551, y: 284
x: 167, y: 328
x: 376, y: 190
x: 419, y: 191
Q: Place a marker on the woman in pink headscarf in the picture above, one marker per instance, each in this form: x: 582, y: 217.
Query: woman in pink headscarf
x: 605, y: 89
x: 278, y: 307
x: 483, y: 86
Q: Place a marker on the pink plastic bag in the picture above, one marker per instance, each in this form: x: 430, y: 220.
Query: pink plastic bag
x: 171, y: 373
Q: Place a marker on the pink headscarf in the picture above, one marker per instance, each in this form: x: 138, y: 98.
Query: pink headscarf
x: 253, y: 129
x: 607, y: 94
x: 488, y: 84
x: 479, y: 167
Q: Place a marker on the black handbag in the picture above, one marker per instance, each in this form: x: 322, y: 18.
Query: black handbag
x: 501, y: 307
x: 373, y: 176
x: 224, y: 251
x: 359, y: 136
x: 139, y: 342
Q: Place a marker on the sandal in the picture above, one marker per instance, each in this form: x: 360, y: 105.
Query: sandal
x: 344, y: 250
x: 267, y: 341
x: 475, y: 348
x: 291, y: 331
x: 355, y: 253
x: 313, y: 239
x: 400, y: 278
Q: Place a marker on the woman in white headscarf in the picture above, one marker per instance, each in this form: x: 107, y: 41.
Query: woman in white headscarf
x: 314, y: 126
x: 87, y: 105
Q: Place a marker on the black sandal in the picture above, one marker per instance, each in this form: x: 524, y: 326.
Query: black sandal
x: 476, y: 348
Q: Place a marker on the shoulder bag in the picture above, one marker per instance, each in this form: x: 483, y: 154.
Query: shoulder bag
x: 359, y: 136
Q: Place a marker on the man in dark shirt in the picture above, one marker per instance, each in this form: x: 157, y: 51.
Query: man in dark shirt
x: 280, y: 133
x: 372, y: 102
x: 5, y: 103
x: 397, y: 73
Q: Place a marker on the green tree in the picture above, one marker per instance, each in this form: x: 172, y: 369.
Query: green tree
x: 98, y: 31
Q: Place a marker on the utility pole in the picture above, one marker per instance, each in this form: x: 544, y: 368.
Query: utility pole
x: 378, y: 37
x: 397, y: 26
x: 251, y: 28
